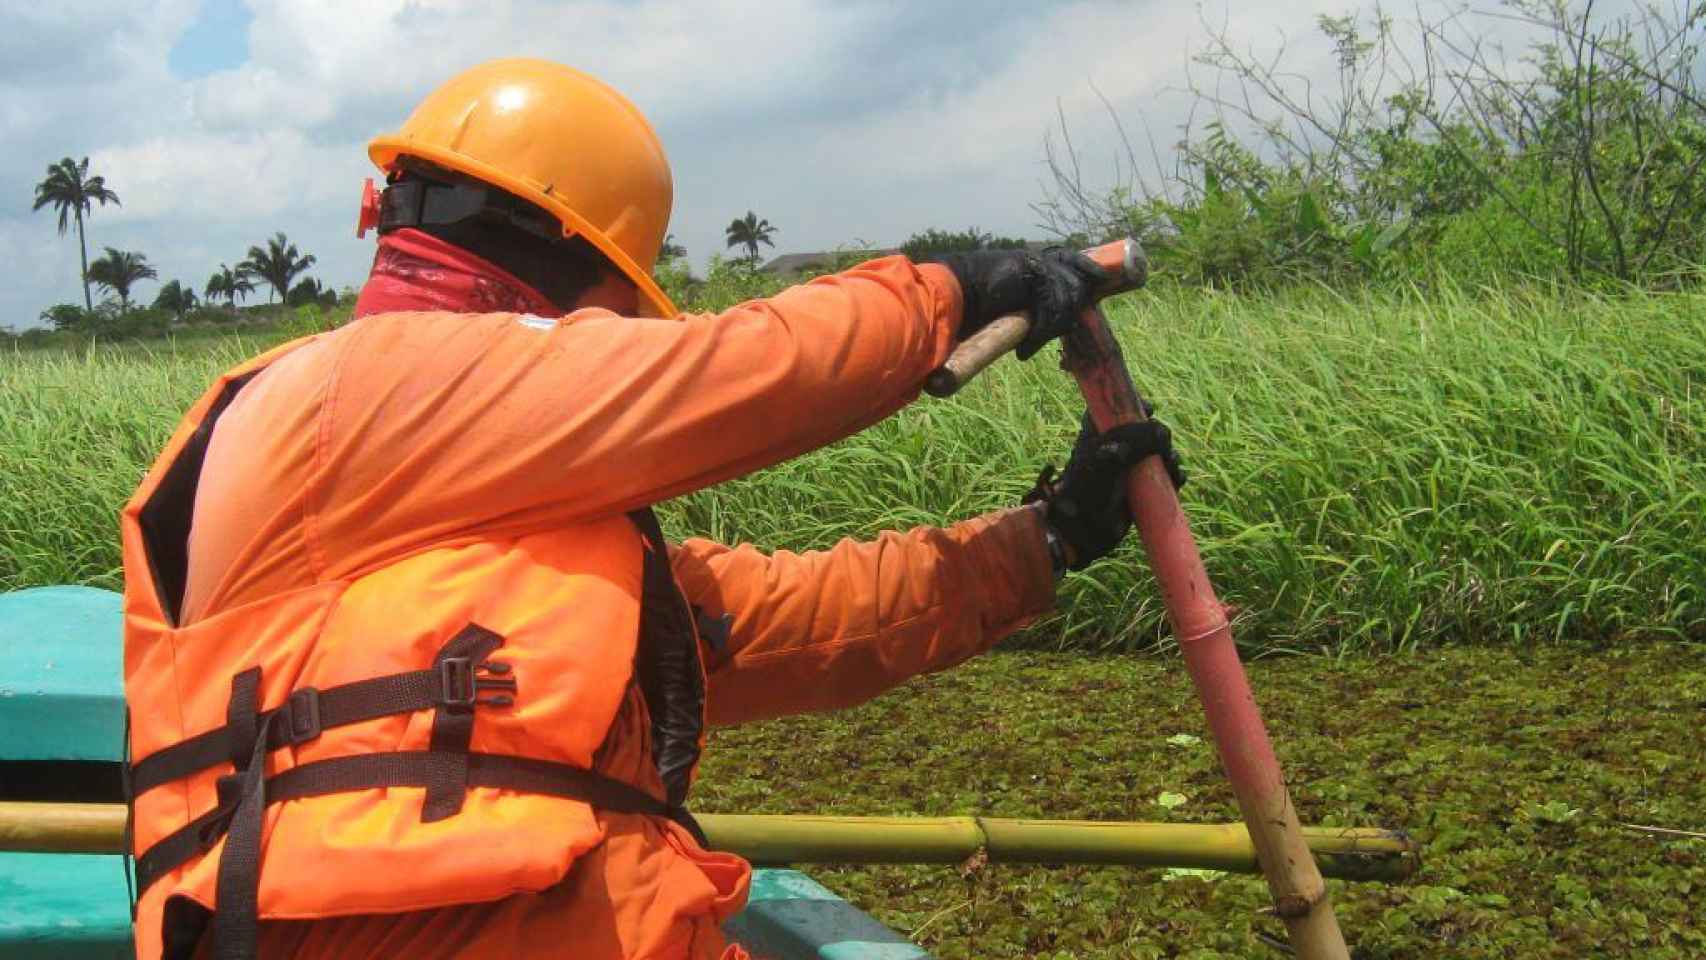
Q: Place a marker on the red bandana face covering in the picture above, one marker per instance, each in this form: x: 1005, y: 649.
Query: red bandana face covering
x: 417, y: 271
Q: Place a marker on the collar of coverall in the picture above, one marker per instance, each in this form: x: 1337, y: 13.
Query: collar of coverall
x: 417, y: 271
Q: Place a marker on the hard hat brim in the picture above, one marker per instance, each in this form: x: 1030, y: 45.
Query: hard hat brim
x: 385, y: 150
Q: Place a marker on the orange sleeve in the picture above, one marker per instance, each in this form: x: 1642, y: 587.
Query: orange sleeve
x: 439, y: 425
x: 830, y: 629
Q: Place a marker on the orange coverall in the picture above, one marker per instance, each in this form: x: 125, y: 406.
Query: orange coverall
x: 659, y: 408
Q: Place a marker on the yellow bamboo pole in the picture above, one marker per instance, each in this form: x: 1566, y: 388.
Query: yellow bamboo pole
x: 61, y: 827
x: 1346, y: 853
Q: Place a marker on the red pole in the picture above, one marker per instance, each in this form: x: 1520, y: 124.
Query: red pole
x: 1300, y: 895
x: 1091, y: 355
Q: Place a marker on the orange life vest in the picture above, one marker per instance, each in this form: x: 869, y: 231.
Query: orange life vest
x: 434, y: 718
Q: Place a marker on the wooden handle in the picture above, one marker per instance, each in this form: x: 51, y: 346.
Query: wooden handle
x: 977, y: 352
x: 1124, y: 267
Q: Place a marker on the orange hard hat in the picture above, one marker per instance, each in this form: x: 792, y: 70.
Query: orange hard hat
x: 559, y: 139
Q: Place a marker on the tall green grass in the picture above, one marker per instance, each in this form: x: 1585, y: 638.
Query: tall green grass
x: 78, y: 429
x: 1367, y: 471
x: 1378, y: 470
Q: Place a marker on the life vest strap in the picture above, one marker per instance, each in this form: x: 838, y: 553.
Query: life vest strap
x: 238, y: 818
x: 453, y: 718
x: 668, y: 666
x: 453, y: 681
x: 244, y: 794
x: 407, y: 768
x: 461, y: 671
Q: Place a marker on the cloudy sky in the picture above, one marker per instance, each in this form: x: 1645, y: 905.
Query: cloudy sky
x: 219, y: 122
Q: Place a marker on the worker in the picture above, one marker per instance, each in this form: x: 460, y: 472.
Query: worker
x: 411, y: 669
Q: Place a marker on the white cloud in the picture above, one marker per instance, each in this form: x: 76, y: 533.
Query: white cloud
x: 319, y: 61
x: 838, y: 121
x: 228, y: 177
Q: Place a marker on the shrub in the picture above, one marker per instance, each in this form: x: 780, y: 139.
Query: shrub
x: 310, y: 319
x: 37, y: 337
x: 1577, y: 161
x: 207, y: 316
x: 309, y: 291
x: 136, y: 324
x: 66, y: 316
x: 934, y: 241
x: 727, y: 283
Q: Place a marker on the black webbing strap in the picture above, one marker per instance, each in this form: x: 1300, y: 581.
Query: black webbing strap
x: 453, y: 723
x: 243, y: 717
x: 236, y: 921
x: 309, y: 711
x: 413, y: 768
x: 667, y: 665
x: 452, y: 689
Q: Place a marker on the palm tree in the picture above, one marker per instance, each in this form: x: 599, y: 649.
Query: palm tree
x: 671, y: 250
x: 278, y: 264
x: 72, y: 192
x: 177, y: 298
x: 119, y: 270
x: 749, y: 232
x: 229, y: 285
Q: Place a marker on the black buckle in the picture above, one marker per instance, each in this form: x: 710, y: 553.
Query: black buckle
x: 496, y: 677
x: 460, y: 682
x: 456, y: 682
x: 302, y: 716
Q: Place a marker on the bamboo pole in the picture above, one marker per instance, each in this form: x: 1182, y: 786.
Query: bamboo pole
x: 1347, y: 853
x: 61, y: 827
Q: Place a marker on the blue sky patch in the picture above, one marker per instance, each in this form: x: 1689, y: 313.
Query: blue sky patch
x: 217, y: 40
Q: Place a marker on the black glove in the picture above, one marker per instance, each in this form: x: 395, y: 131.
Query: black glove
x: 1055, y: 286
x: 1087, y: 507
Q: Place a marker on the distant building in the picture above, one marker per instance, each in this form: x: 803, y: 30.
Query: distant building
x: 793, y: 264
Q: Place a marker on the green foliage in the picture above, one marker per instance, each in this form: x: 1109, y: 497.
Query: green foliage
x: 1582, y: 167
x: 133, y: 324
x: 108, y: 321
x: 66, y: 316
x: 1518, y: 472
x: 934, y: 241
x: 277, y: 264
x: 229, y: 285
x: 844, y: 257
x: 176, y: 298
x: 206, y: 315
x: 749, y: 231
x: 1514, y: 768
x: 72, y: 193
x: 1384, y: 471
x: 309, y: 291
x: 1375, y: 472
x: 34, y: 338
x: 308, y: 319
x: 120, y: 270
x: 675, y: 277
x: 727, y: 283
